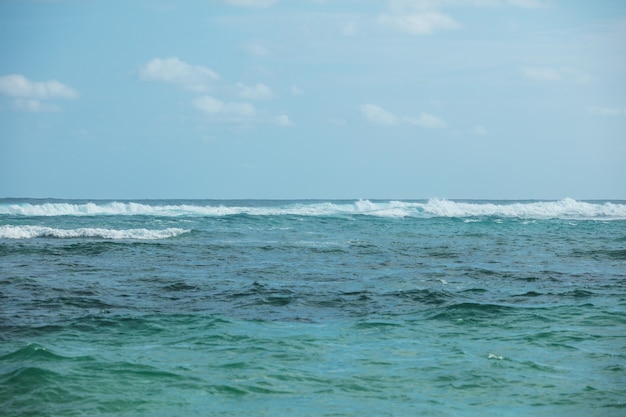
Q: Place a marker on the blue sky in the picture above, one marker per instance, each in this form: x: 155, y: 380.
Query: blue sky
x: 395, y: 99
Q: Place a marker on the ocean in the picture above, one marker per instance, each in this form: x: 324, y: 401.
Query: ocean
x: 312, y: 308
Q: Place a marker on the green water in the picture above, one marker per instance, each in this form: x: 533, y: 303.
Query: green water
x: 269, y: 311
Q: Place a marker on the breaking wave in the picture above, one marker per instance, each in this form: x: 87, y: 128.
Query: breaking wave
x: 566, y: 209
x: 30, y: 232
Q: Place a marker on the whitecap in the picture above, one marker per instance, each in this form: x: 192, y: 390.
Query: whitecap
x: 563, y: 209
x: 31, y: 232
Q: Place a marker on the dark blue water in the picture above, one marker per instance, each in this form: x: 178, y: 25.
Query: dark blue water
x: 312, y: 308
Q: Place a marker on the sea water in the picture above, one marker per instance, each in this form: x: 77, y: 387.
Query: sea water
x: 312, y: 308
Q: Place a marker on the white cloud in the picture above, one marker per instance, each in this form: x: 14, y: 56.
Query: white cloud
x: 378, y: 115
x: 208, y: 105
x: 214, y: 107
x: 418, y: 23
x: 16, y: 85
x: 282, y: 120
x: 202, y: 79
x: 31, y: 96
x: 251, y: 3
x: 606, y: 111
x: 256, y: 92
x: 424, y: 17
x: 174, y: 71
x: 239, y: 109
x: 427, y: 120
x: 237, y: 112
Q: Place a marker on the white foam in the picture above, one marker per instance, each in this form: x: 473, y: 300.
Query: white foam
x: 566, y: 209
x: 93, y: 209
x: 495, y: 356
x: 131, y: 209
x: 30, y: 232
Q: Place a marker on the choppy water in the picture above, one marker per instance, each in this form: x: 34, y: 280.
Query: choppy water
x: 312, y: 308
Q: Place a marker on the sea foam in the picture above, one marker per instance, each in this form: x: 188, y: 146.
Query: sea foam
x: 566, y: 209
x: 30, y: 232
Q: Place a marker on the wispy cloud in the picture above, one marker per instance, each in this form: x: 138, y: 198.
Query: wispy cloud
x: 526, y: 4
x: 34, y: 106
x: 418, y: 23
x: 476, y: 130
x: 542, y: 74
x: 296, y: 90
x: 548, y: 74
x: 257, y: 48
x: 426, y: 120
x: 400, y: 5
x: 255, y: 92
x: 174, y: 71
x: 199, y: 79
x: 350, y: 28
x: 251, y: 3
x: 479, y: 131
x: 606, y: 111
x: 425, y: 17
x: 378, y: 115
x: 214, y: 107
x: 28, y: 95
x: 282, y: 120
x: 16, y: 85
x: 237, y: 112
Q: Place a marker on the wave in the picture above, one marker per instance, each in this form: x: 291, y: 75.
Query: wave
x: 563, y: 209
x: 30, y: 232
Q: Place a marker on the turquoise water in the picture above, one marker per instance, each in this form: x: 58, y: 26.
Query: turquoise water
x: 312, y: 308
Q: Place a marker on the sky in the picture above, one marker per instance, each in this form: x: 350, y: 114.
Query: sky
x: 319, y: 99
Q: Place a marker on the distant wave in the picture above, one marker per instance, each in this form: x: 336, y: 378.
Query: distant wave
x: 30, y: 232
x: 566, y: 209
